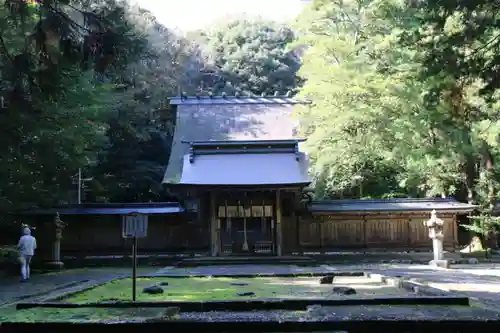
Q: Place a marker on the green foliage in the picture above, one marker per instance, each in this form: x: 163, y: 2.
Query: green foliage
x: 250, y: 56
x: 405, y: 98
x: 457, y: 44
x: 84, y: 84
x: 355, y: 103
x: 485, y: 225
x: 9, y: 259
x: 392, y: 114
x: 460, y: 39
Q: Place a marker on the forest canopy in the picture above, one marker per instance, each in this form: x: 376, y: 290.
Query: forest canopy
x: 405, y: 95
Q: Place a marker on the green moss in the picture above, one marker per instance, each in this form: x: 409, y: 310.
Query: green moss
x: 192, y: 289
x: 198, y: 289
x: 65, y: 315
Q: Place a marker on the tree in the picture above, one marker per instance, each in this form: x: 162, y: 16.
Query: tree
x: 250, y: 56
x: 131, y: 167
x: 349, y: 126
x: 455, y: 43
x: 55, y: 94
x: 458, y: 42
x: 402, y: 89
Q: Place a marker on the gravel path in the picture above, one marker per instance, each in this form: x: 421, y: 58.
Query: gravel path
x: 350, y: 313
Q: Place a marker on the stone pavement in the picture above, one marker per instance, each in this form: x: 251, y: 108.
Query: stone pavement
x: 481, y: 283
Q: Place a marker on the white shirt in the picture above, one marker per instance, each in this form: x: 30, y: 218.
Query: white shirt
x: 27, y: 245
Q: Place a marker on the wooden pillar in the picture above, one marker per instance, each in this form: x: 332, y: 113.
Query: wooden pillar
x: 279, y: 235
x: 214, y: 226
x: 293, y: 217
x: 455, y: 232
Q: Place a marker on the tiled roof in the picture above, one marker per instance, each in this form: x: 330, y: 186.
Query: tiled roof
x: 220, y: 119
x: 110, y: 209
x: 391, y: 205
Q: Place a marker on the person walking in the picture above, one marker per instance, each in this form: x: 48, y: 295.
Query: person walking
x: 26, y: 247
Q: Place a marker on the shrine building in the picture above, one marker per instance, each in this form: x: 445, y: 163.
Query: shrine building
x: 238, y: 166
x: 240, y: 174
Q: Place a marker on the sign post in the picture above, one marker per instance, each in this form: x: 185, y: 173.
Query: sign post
x: 134, y: 270
x: 134, y: 225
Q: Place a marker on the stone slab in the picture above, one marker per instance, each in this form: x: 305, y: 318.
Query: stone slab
x: 440, y: 263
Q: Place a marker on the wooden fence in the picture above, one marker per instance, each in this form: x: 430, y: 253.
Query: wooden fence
x: 102, y: 235
x: 371, y: 231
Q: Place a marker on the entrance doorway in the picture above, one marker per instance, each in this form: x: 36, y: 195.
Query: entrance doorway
x: 247, y: 235
x: 247, y: 226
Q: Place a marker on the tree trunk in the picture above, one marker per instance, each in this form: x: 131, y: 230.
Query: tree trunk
x: 470, y: 177
x: 488, y: 174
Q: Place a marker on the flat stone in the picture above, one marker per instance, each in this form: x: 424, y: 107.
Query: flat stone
x: 440, y: 263
x: 239, y: 284
x: 327, y: 279
x: 344, y: 290
x: 247, y: 293
x: 153, y: 290
x: 164, y: 283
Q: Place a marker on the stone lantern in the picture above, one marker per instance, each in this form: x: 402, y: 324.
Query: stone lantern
x: 56, y: 249
x: 435, y: 228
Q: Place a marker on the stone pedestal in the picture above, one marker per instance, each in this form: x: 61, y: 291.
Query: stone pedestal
x: 440, y: 263
x: 437, y: 249
x: 56, y: 262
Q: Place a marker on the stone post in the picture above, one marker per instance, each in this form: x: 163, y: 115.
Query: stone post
x: 435, y: 227
x: 56, y: 262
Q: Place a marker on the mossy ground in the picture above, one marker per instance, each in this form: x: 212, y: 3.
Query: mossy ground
x: 195, y: 289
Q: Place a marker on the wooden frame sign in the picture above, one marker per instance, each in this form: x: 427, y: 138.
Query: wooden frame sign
x: 134, y: 225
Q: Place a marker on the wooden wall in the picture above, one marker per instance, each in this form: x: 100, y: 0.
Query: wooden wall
x: 101, y: 235
x: 407, y: 231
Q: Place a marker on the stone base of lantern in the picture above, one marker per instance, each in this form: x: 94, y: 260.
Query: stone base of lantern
x: 55, y: 265
x: 440, y: 263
